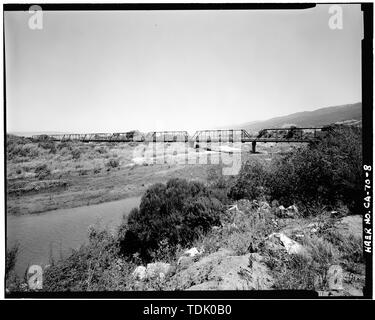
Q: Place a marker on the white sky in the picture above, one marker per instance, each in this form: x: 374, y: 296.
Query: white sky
x: 115, y: 71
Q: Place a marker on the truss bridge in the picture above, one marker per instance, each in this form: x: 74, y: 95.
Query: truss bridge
x: 286, y: 135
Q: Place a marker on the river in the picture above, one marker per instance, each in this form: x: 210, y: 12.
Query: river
x: 56, y: 233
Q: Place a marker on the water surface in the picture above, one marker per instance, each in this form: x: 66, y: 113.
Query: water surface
x: 55, y: 233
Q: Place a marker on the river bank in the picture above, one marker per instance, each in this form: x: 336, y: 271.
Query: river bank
x: 48, y: 175
x: 99, y: 188
x: 45, y: 176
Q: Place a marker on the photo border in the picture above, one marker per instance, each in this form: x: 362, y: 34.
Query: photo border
x: 367, y: 140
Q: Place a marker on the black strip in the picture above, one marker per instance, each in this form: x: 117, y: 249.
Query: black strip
x: 159, y: 6
x: 5, y: 149
x: 254, y: 294
x: 367, y: 114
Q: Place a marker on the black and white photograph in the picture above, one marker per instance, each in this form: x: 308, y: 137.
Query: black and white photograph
x: 182, y: 150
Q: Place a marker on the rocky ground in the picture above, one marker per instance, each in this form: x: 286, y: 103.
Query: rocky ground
x: 286, y: 252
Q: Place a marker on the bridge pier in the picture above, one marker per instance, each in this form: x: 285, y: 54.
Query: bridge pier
x: 253, y: 147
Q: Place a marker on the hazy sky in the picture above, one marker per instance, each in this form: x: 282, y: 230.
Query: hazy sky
x: 115, y: 71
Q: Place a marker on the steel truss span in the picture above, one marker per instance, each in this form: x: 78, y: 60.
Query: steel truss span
x: 292, y: 134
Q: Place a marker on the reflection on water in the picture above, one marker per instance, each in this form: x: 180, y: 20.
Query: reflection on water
x: 56, y: 232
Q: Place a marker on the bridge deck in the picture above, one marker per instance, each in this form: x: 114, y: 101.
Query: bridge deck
x: 289, y: 135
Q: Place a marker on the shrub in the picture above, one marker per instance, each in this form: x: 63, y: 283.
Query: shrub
x: 93, y: 267
x: 47, y: 144
x: 242, y: 231
x: 302, y: 272
x: 219, y: 185
x: 300, y: 176
x: 15, y: 145
x: 251, y: 182
x: 12, y: 282
x: 113, y: 163
x: 76, y: 154
x: 176, y: 212
x: 42, y: 171
x: 328, y: 172
x: 101, y: 150
x: 10, y: 261
x: 64, y: 144
x: 321, y: 175
x: 350, y: 247
x: 23, y: 150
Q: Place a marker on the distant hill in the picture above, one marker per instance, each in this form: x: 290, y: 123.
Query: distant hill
x: 32, y: 133
x: 350, y: 113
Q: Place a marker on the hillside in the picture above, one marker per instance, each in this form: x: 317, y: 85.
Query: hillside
x: 316, y: 118
x: 32, y: 133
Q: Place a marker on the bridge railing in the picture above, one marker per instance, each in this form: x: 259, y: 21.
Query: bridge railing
x: 290, y: 134
x: 240, y: 135
x: 167, y: 136
x: 220, y: 135
x: 130, y: 136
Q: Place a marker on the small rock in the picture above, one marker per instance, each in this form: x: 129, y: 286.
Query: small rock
x: 140, y: 273
x: 280, y: 211
x: 155, y: 269
x: 292, y: 211
x: 233, y: 207
x: 161, y: 276
x: 192, y: 252
x: 184, y: 261
x: 264, y: 205
x: 233, y: 226
x: 299, y: 235
x: 291, y: 246
x: 223, y: 270
x: 289, y: 212
x: 274, y: 203
x: 335, y: 277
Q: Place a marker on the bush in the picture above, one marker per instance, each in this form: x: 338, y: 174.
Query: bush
x: 42, y: 171
x: 326, y: 173
x: 101, y: 150
x: 22, y: 150
x: 113, y: 163
x: 93, y: 267
x: 12, y: 282
x: 251, y: 182
x: 302, y: 272
x: 301, y: 176
x: 64, y: 144
x: 176, y: 212
x: 76, y: 154
x: 47, y: 144
x: 218, y: 184
x: 10, y: 261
